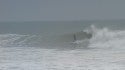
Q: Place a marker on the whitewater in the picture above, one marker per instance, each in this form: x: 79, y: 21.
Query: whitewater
x: 50, y: 46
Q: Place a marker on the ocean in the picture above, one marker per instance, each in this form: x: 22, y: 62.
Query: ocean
x: 62, y: 45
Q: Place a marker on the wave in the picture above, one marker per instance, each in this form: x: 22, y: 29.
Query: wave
x: 102, y: 38
x: 91, y: 37
x: 107, y: 38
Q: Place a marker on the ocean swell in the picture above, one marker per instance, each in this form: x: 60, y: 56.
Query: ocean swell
x: 92, y: 37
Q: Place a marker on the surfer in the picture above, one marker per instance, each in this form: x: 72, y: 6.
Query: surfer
x: 80, y: 38
x: 74, y: 36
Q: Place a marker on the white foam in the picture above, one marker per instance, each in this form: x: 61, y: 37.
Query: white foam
x: 103, y: 38
x: 10, y: 39
x: 13, y: 58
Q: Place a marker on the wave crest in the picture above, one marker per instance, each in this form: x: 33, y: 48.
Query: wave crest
x: 103, y: 38
x: 92, y: 37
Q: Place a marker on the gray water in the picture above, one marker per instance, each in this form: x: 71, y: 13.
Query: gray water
x: 78, y: 45
x: 59, y: 27
x: 50, y: 34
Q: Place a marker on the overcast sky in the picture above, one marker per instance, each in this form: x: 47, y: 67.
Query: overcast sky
x: 43, y: 10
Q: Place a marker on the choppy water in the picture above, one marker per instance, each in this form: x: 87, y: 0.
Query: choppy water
x: 61, y: 34
x: 79, y: 45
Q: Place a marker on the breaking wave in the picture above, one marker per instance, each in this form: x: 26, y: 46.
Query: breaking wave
x: 107, y: 38
x: 92, y: 37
